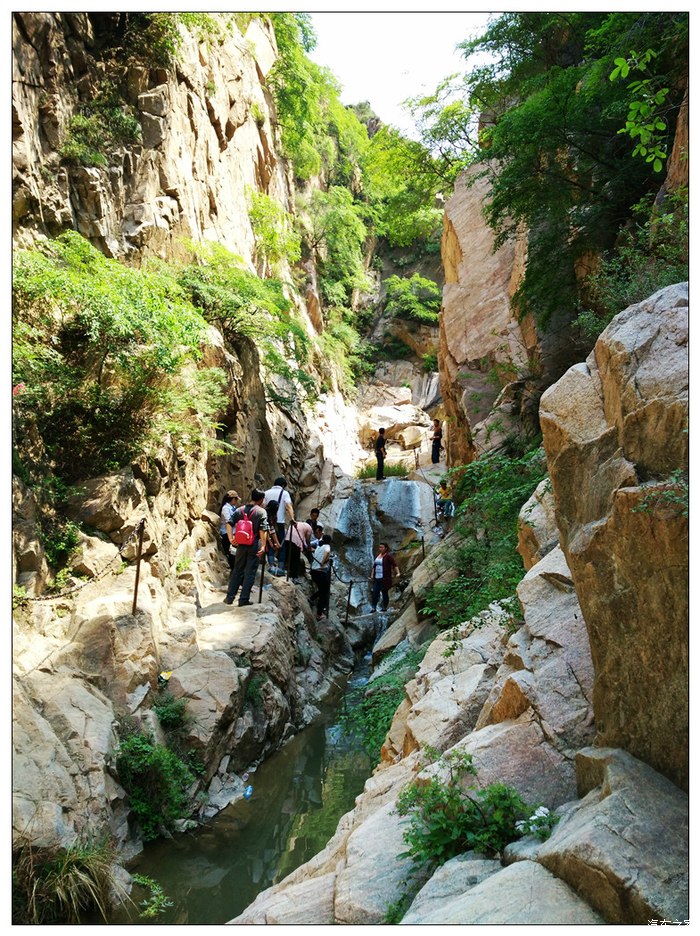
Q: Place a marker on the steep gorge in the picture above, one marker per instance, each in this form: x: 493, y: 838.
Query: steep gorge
x: 559, y: 708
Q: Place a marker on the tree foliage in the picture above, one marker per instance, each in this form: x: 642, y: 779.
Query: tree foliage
x: 415, y: 298
x: 548, y: 138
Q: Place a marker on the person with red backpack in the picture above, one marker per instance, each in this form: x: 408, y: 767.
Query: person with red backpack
x: 247, y: 528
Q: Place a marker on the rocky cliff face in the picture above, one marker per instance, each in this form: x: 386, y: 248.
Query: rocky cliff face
x: 205, y: 134
x: 483, y: 346
x: 616, y: 435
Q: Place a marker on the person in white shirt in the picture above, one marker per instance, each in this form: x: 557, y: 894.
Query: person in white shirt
x: 230, y: 502
x: 285, y: 514
x: 383, y: 568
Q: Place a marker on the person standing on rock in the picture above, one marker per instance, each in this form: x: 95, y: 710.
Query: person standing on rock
x: 380, y: 451
x: 381, y: 577
x: 437, y: 441
x: 228, y: 505
x: 298, y: 541
x: 321, y: 574
x: 247, y: 556
x: 285, y: 514
x: 273, y: 543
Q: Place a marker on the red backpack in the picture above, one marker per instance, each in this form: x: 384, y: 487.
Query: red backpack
x: 243, y: 534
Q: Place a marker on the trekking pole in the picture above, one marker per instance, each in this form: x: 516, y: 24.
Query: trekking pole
x: 347, y: 608
x: 142, y: 526
x: 262, y: 574
x: 422, y: 543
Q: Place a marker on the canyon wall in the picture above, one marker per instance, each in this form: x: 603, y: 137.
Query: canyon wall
x: 486, y: 354
x: 205, y: 126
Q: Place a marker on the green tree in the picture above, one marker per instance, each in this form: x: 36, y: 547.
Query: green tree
x: 275, y: 238
x: 415, y: 298
x: 105, y: 353
x: 336, y: 233
x: 400, y: 185
x: 549, y: 141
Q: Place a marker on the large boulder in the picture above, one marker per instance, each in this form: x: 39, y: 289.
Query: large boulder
x: 547, y: 667
x: 615, y: 436
x: 624, y: 846
x: 523, y: 893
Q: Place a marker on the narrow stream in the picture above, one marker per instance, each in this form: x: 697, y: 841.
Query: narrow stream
x: 299, y: 794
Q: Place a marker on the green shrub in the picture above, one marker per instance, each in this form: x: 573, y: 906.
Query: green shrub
x: 157, y: 902
x: 106, y: 354
x: 488, y: 493
x: 446, y: 818
x: 650, y: 254
x: 253, y: 691
x: 171, y: 712
x: 156, y: 781
x: 60, y: 540
x: 370, y: 710
x: 275, y: 238
x: 430, y: 361
x: 417, y: 299
x: 59, y: 885
x: 398, y: 470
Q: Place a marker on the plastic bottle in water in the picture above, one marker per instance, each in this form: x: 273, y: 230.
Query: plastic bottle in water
x: 248, y: 792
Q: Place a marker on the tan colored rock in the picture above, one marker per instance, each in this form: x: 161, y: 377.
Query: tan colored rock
x: 149, y: 201
x: 373, y: 874
x: 547, y: 666
x: 517, y: 752
x: 523, y: 893
x: 477, y: 326
x: 538, y: 533
x: 450, y: 881
x: 93, y: 556
x: 211, y: 683
x: 625, y: 847
x: 46, y: 786
x: 608, y: 425
x: 395, y: 419
x: 449, y: 710
x: 309, y: 903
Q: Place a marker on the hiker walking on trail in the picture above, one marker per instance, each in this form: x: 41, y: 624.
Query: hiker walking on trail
x: 273, y: 543
x: 437, y: 441
x: 298, y: 541
x: 285, y: 512
x: 380, y: 451
x: 321, y: 574
x: 228, y: 505
x: 381, y: 577
x: 248, y: 528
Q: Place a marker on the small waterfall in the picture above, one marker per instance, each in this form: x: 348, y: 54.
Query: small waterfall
x: 393, y: 511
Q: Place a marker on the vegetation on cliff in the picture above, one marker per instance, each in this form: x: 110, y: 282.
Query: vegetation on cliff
x: 489, y: 493
x: 543, y: 120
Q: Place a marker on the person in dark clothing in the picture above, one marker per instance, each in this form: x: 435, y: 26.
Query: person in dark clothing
x: 437, y: 441
x: 228, y: 505
x: 321, y: 574
x: 381, y: 577
x: 247, y: 557
x: 312, y: 519
x: 273, y: 543
x: 380, y: 451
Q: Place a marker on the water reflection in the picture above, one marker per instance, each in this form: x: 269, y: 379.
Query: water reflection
x: 299, y: 795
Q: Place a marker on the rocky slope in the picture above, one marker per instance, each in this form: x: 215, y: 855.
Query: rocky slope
x: 201, y: 143
x: 561, y: 709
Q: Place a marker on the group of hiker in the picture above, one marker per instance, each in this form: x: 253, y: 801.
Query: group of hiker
x: 266, y: 529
